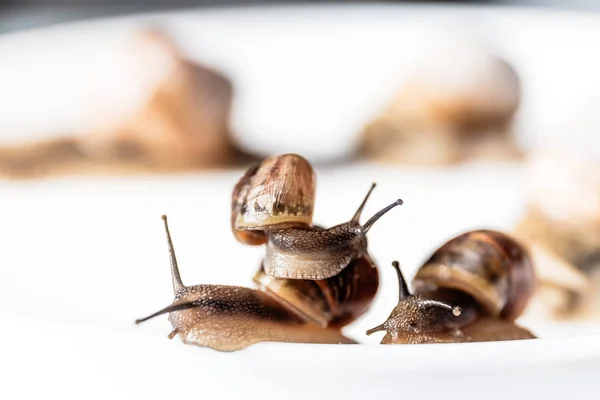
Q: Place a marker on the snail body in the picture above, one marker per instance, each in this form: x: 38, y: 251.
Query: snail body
x: 229, y: 318
x: 473, y: 288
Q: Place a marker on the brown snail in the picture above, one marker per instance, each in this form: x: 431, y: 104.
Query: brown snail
x: 456, y: 105
x: 173, y: 115
x: 272, y: 204
x: 471, y: 289
x: 562, y: 230
x: 229, y: 318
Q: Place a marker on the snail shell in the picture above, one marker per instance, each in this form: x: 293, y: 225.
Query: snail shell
x: 278, y: 193
x: 332, y: 302
x: 488, y: 265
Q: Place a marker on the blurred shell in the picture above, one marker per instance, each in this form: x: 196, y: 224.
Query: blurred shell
x: 176, y: 111
x: 561, y: 225
x: 562, y: 289
x: 153, y: 112
x: 457, y: 104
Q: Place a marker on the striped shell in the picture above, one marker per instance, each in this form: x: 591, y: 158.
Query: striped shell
x: 278, y: 193
x: 336, y: 301
x: 490, y: 266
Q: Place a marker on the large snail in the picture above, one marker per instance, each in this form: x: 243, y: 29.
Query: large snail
x: 228, y: 318
x: 471, y: 289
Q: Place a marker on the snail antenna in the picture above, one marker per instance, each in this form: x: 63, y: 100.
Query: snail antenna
x: 358, y: 212
x: 403, y: 291
x: 177, y: 284
x: 378, y: 328
x: 170, y: 308
x: 380, y: 214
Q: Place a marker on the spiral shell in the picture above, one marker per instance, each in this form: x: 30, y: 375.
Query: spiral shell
x: 278, y: 193
x: 490, y: 266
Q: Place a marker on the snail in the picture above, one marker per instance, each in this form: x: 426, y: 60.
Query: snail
x: 472, y: 289
x: 456, y: 105
x: 272, y: 204
x: 172, y: 116
x: 562, y: 230
x: 229, y: 318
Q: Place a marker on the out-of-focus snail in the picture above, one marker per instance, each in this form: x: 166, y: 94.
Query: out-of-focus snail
x: 457, y: 105
x: 471, y: 289
x: 229, y: 318
x: 173, y: 115
x: 273, y: 204
x: 561, y: 226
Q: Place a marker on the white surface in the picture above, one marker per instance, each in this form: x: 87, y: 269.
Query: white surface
x: 82, y: 258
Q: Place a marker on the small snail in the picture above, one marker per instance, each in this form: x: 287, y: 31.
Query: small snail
x: 472, y: 289
x: 273, y: 204
x: 229, y: 318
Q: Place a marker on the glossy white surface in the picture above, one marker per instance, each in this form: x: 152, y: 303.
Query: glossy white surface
x: 82, y: 258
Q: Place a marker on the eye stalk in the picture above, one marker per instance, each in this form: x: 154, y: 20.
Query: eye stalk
x: 403, y: 291
x: 317, y: 253
x: 419, y: 318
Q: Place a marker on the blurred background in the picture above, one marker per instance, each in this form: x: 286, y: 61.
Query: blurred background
x: 21, y: 14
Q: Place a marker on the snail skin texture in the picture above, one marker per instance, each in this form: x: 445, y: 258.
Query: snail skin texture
x: 229, y: 318
x: 471, y: 290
